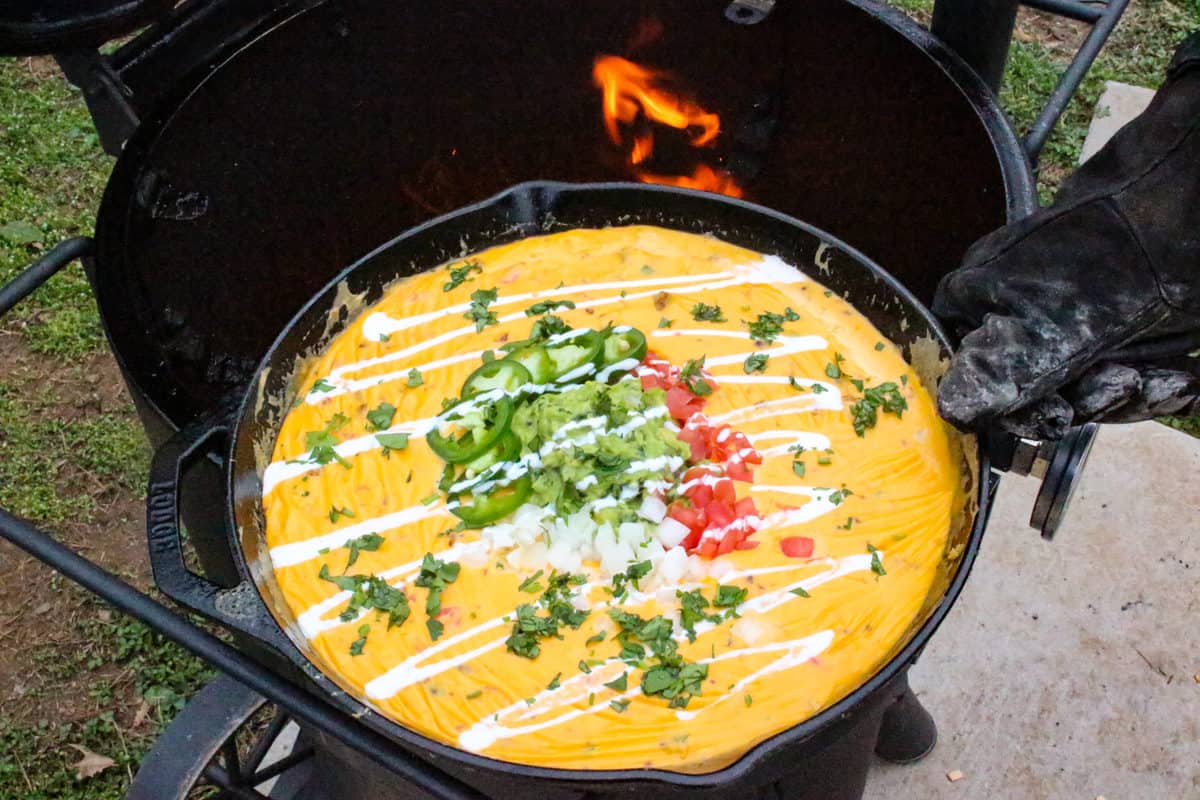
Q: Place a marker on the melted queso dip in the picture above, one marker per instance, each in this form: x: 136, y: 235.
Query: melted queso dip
x: 609, y: 499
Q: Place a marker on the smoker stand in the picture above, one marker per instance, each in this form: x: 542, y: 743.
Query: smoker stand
x: 236, y: 735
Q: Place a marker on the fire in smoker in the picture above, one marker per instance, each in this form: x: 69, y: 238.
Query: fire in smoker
x: 630, y: 91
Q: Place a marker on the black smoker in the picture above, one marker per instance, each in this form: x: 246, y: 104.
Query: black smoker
x: 266, y: 145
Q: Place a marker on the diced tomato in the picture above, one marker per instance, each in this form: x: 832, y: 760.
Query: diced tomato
x: 747, y: 544
x: 738, y: 471
x: 719, y: 514
x: 692, y: 517
x: 728, y: 543
x: 708, y: 548
x: 796, y: 546
x: 723, y: 492
x: 697, y: 440
x: 745, y: 507
x: 681, y: 403
x: 700, y: 495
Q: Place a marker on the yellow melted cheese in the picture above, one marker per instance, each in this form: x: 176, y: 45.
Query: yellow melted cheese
x: 787, y: 658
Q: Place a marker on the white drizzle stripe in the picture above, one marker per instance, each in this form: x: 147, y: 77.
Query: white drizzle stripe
x: 806, y: 439
x: 381, y: 324
x: 286, y: 555
x: 413, y: 670
x: 488, y: 730
x: 785, y: 345
x: 801, y: 403
x: 796, y: 652
x: 769, y: 269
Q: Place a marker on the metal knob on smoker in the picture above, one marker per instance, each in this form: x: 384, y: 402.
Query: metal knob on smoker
x: 1058, y: 464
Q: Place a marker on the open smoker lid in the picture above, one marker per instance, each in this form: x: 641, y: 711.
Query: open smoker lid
x: 350, y: 121
x: 37, y: 27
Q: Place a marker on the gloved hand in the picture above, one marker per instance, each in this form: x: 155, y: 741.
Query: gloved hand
x: 1045, y: 305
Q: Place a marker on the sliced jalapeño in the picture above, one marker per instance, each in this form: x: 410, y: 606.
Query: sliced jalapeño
x: 480, y: 425
x: 499, y: 502
x: 534, y: 360
x: 506, y: 448
x: 572, y: 357
x: 504, y: 374
x: 622, y: 344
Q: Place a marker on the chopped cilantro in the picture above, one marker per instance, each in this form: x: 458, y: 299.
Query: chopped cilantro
x: 663, y: 322
x: 369, y: 592
x: 800, y: 591
x: 392, y: 441
x: 430, y: 499
x: 768, y: 326
x: 461, y: 274
x: 749, y: 700
x: 585, y: 667
x: 528, y: 627
x: 380, y: 418
x: 435, y: 576
x: 335, y: 513
x: 414, y: 378
x: 824, y: 461
x: 619, y: 706
x: 692, y: 607
x: 435, y: 628
x: 789, y: 315
x: 597, y: 639
x: 554, y: 684
x: 323, y: 385
x: 691, y: 374
x: 321, y: 443
x: 703, y: 312
x: 369, y: 542
x: 356, y: 647
x: 531, y: 584
x: 879, y: 346
x: 798, y: 468
x: 730, y: 596
x: 478, y: 312
x: 833, y: 370
x: 819, y: 388
x: 838, y: 496
x: 620, y: 684
x: 475, y: 694
x: 549, y: 325
x: 876, y: 562
x: 647, y: 269
x: 885, y: 396
x: 755, y: 362
x: 546, y: 306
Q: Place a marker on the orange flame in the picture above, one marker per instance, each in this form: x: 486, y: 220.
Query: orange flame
x: 628, y: 89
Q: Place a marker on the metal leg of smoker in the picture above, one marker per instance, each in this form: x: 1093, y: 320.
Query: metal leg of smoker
x: 1068, y: 83
x: 979, y: 31
x: 908, y: 732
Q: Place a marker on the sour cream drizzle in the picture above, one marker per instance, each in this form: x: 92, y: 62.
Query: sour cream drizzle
x: 491, y: 728
x: 770, y: 269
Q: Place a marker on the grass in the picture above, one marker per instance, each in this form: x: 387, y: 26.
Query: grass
x: 52, y: 174
x: 35, y: 758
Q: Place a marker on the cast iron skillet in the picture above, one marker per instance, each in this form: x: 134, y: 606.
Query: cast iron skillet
x: 255, y: 607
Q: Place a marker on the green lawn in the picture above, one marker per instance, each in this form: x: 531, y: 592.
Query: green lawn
x: 51, y: 176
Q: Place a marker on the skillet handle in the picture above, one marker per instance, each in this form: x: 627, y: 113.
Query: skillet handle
x: 239, y: 608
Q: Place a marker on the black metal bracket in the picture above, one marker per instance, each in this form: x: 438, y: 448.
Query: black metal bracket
x: 981, y: 32
x: 302, y: 704
x: 109, y: 100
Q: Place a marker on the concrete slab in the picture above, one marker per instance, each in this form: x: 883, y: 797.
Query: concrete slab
x: 1071, y: 669
x: 1118, y: 104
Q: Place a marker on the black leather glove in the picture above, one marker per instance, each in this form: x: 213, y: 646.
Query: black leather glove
x: 1065, y: 316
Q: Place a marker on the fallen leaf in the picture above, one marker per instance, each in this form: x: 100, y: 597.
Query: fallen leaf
x: 91, y: 763
x: 954, y: 776
x: 19, y: 232
x: 142, y: 712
